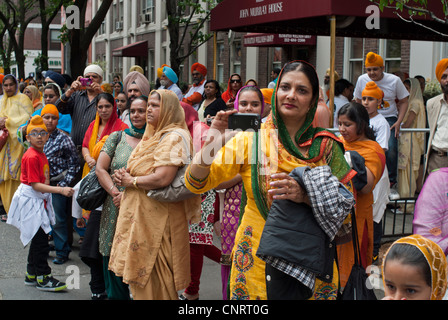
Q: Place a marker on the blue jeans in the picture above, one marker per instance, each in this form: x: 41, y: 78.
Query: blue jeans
x: 392, y: 153
x: 60, y: 230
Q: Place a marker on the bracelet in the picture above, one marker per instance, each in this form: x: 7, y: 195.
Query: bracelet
x: 135, y: 182
x: 111, y: 187
x: 87, y: 155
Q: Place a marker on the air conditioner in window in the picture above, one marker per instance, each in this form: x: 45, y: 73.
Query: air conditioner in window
x: 119, y: 25
x: 146, y: 17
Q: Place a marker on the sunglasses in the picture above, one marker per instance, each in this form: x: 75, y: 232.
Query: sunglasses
x: 235, y: 81
x: 38, y: 134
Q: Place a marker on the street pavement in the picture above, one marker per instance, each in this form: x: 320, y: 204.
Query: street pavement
x: 13, y: 257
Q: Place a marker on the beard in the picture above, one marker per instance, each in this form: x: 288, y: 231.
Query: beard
x: 163, y: 83
x: 444, y: 89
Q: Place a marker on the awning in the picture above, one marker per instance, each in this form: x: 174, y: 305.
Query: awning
x: 137, y: 49
x: 277, y: 40
x: 313, y: 18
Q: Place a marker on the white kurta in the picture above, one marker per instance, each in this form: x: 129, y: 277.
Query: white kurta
x: 28, y: 213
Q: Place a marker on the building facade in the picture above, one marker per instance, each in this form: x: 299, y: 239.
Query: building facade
x: 140, y: 27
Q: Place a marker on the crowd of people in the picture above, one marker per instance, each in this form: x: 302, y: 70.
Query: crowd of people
x: 145, y: 241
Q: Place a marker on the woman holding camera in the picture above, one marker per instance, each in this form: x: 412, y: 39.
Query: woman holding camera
x: 286, y: 140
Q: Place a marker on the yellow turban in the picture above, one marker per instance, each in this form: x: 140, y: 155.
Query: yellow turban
x: 441, y: 67
x: 36, y: 122
x: 336, y: 75
x: 50, y: 108
x: 160, y: 70
x: 374, y: 60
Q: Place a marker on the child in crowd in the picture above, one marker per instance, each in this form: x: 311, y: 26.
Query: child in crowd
x: 414, y: 268
x: 32, y: 210
x: 372, y: 100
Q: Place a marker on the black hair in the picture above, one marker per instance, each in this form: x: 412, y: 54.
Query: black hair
x: 107, y: 96
x: 410, y: 255
x: 53, y: 87
x: 142, y: 97
x: 254, y: 89
x: 358, y: 113
x: 308, y: 70
x: 218, y: 88
x: 341, y: 85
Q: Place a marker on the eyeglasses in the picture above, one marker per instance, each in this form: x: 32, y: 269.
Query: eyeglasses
x: 38, y: 134
x: 235, y: 81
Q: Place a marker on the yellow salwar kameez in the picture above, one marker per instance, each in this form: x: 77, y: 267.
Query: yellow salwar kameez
x: 247, y: 278
x: 18, y: 108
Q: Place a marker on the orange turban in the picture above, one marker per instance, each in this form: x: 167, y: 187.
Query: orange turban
x: 267, y: 94
x: 374, y: 60
x: 50, y: 108
x: 1, y: 78
x: 199, y: 67
x: 372, y: 90
x: 36, y: 122
x: 441, y: 67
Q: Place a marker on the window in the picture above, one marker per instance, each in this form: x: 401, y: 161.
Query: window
x: 392, y: 55
x: 220, y: 62
x: 148, y: 12
x: 277, y: 58
x: 355, y: 58
x: 236, y: 56
x: 55, y: 42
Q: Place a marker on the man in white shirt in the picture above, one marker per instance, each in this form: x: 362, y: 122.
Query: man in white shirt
x: 437, y: 110
x: 168, y: 80
x: 393, y: 89
x: 343, y: 91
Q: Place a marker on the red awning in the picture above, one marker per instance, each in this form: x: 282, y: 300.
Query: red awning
x: 137, y: 49
x: 273, y: 40
x: 313, y: 18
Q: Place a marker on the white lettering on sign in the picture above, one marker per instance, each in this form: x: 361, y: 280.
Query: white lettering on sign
x: 261, y: 10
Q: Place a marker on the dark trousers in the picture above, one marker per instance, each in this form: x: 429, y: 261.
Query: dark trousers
x: 392, y: 153
x: 38, y: 255
x: 90, y: 253
x: 281, y: 286
x: 377, y: 234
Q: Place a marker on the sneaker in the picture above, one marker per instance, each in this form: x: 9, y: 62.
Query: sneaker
x: 48, y: 283
x: 60, y: 260
x: 99, y: 296
x: 394, y: 195
x: 30, y: 280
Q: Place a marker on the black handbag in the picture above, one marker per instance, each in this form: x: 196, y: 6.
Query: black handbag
x: 91, y: 194
x: 356, y: 287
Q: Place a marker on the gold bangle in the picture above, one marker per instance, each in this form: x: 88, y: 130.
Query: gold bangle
x: 135, y: 182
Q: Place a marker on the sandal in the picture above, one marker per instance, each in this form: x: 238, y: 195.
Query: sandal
x: 4, y: 217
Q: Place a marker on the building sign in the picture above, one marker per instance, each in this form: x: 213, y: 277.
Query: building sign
x: 272, y: 39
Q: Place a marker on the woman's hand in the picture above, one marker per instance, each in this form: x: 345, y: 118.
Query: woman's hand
x: 116, y: 199
x: 3, y: 122
x: 90, y: 161
x: 285, y: 187
x: 123, y: 178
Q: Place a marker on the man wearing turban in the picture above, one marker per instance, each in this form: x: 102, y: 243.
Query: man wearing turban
x: 80, y: 102
x: 135, y: 85
x: 168, y: 80
x: 194, y: 95
x: 437, y: 110
x: 394, y: 90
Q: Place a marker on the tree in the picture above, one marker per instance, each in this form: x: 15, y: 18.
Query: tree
x: 5, y: 44
x: 80, y: 38
x: 48, y: 9
x: 418, y: 8
x: 187, y: 29
x: 21, y: 13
